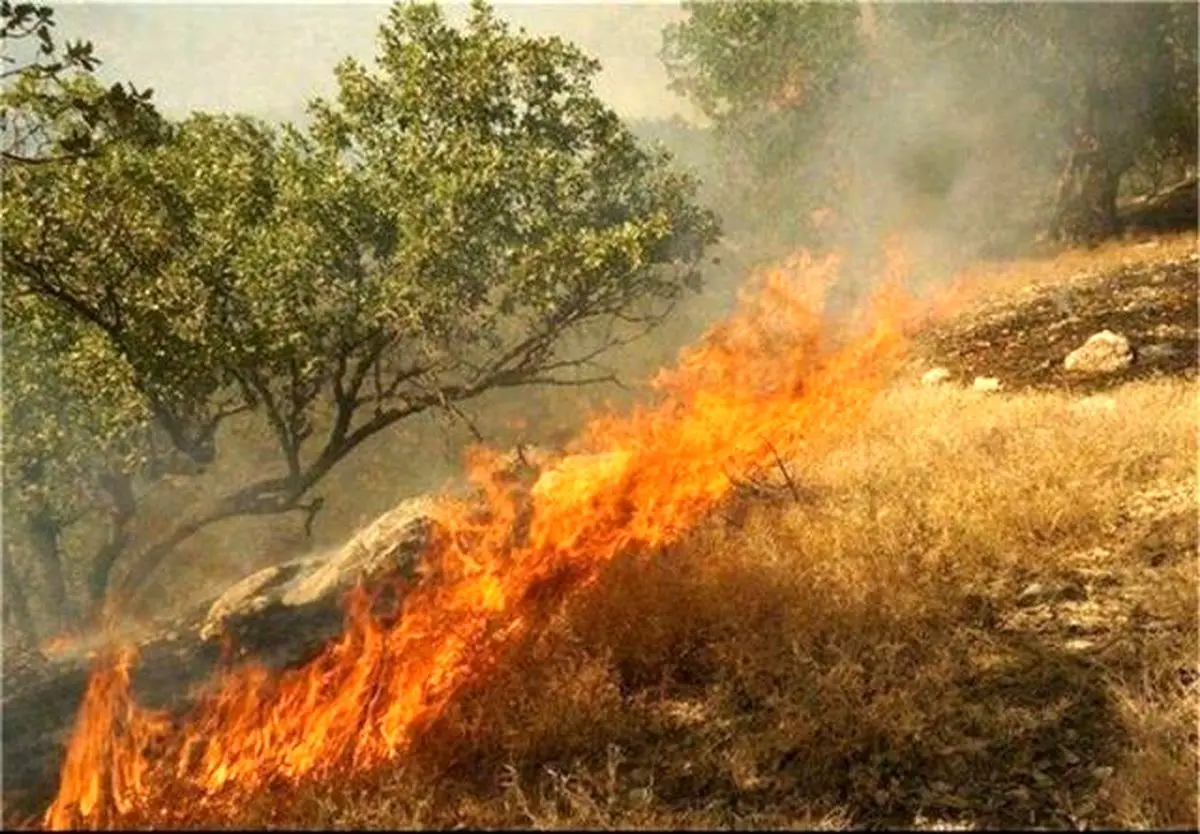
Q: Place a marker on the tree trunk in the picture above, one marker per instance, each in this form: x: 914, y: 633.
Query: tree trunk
x: 1086, y: 210
x: 44, y: 533
x: 119, y: 487
x: 17, y: 615
x: 1103, y: 141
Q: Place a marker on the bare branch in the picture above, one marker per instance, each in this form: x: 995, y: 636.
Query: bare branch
x: 787, y: 475
x: 16, y: 158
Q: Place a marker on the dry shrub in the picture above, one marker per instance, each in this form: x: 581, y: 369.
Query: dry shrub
x: 851, y: 659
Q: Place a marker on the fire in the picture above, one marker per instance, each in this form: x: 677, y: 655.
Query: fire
x: 767, y: 381
x: 105, y: 765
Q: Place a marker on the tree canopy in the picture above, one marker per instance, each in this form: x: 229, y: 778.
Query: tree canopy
x: 457, y: 217
x: 51, y: 107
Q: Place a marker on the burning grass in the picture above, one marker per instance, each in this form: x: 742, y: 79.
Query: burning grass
x: 765, y: 379
x: 867, y: 657
x: 639, y: 642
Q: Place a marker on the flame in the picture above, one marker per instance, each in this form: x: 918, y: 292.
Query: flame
x: 105, y: 764
x: 768, y: 381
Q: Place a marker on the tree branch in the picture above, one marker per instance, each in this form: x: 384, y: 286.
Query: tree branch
x: 119, y: 487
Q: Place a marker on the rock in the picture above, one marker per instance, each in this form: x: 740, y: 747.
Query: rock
x: 250, y: 595
x: 935, y: 377
x: 987, y: 384
x: 394, y: 541
x: 1105, y: 352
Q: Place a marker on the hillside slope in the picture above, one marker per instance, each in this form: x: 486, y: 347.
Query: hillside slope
x: 981, y: 611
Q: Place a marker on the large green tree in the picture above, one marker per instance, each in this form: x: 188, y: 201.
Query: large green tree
x: 52, y: 111
x: 466, y: 215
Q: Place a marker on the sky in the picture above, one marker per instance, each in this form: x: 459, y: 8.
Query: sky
x: 269, y: 59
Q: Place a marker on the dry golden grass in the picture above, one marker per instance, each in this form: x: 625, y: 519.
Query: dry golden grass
x: 1056, y: 265
x: 981, y: 612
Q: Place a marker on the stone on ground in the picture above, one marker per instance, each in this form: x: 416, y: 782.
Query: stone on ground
x: 1103, y: 353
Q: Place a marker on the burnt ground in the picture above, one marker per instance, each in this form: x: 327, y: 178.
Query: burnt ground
x: 1021, y: 338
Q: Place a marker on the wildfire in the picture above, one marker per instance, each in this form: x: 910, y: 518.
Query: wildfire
x: 765, y: 382
x: 105, y: 765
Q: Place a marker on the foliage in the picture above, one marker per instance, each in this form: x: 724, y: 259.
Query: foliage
x: 48, y: 111
x: 455, y: 222
x: 767, y: 74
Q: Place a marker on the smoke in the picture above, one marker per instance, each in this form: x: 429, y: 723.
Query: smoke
x: 934, y: 145
x: 931, y: 140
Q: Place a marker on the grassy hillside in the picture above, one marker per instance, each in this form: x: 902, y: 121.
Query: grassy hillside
x: 981, y: 612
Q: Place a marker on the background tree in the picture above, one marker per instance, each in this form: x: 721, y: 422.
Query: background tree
x: 1114, y: 85
x: 767, y: 75
x: 806, y: 93
x: 467, y: 216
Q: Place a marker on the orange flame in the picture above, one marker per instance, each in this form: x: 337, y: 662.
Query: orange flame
x: 767, y: 381
x: 105, y: 765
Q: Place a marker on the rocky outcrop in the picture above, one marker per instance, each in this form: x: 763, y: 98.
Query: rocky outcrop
x: 1104, y: 353
x: 391, y: 544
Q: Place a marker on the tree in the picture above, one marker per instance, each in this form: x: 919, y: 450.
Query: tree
x: 1096, y: 86
x: 767, y: 74
x: 1130, y: 84
x: 1113, y: 83
x: 51, y: 110
x: 456, y: 221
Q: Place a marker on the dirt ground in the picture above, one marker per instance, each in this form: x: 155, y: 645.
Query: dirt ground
x: 1022, y: 337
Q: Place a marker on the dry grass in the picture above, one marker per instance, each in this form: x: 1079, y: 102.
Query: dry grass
x: 1055, y: 265
x: 983, y: 613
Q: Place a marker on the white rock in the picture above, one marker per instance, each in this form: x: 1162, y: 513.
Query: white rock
x: 987, y: 384
x: 1157, y: 352
x: 394, y: 541
x: 935, y: 377
x: 1103, y: 353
